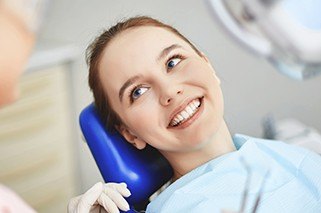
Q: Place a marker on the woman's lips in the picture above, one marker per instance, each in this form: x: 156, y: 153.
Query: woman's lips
x: 190, y: 120
x: 190, y: 109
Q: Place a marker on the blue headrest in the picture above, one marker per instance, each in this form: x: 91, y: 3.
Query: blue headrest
x: 144, y: 171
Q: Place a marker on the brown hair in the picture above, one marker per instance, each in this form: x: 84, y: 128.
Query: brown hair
x: 93, y: 56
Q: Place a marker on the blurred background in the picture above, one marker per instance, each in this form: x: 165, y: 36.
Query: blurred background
x: 43, y: 155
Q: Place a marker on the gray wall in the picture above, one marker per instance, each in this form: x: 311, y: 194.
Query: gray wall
x: 251, y: 86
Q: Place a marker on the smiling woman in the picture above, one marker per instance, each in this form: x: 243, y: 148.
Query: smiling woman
x: 162, y: 76
x: 155, y: 87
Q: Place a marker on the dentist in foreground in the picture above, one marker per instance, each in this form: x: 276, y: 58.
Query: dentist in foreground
x: 17, y: 27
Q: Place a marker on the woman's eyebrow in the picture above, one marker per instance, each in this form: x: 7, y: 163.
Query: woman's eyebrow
x: 167, y: 50
x: 129, y: 82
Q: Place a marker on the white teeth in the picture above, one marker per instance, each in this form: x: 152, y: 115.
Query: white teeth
x: 180, y: 117
x: 188, y: 112
x: 185, y: 114
x: 196, y: 103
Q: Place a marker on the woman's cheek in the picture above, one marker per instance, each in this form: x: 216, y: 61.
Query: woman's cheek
x: 194, y: 69
x: 144, y: 114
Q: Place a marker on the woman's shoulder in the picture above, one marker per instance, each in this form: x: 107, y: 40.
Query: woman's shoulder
x: 276, y: 150
x: 241, y: 141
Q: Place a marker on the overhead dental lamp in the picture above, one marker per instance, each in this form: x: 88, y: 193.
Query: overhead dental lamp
x: 285, y: 32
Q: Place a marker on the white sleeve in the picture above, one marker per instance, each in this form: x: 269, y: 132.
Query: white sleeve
x: 11, y: 202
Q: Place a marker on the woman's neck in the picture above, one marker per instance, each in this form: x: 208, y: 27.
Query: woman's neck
x: 218, y: 144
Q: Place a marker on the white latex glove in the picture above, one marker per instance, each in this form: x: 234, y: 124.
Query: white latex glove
x: 101, y: 198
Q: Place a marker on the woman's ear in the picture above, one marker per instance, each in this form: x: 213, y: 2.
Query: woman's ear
x: 131, y: 137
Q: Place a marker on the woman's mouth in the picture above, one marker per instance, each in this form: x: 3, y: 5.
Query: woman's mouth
x: 186, y: 116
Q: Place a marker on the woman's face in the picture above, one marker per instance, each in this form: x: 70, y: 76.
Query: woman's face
x: 165, y: 93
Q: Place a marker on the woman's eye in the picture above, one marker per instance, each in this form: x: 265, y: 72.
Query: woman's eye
x: 137, y: 92
x: 173, y: 62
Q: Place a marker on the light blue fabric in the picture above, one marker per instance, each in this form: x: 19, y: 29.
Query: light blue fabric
x: 293, y: 186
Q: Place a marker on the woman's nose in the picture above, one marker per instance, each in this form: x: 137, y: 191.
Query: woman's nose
x: 169, y: 95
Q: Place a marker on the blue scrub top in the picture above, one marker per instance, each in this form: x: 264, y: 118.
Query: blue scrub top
x: 293, y: 184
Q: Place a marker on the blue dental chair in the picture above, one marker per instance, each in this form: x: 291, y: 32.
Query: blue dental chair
x: 144, y: 171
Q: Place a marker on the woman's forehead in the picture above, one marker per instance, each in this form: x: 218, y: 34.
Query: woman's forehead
x: 146, y: 39
x: 138, y: 47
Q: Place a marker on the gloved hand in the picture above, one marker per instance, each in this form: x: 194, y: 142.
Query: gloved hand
x: 101, y: 198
